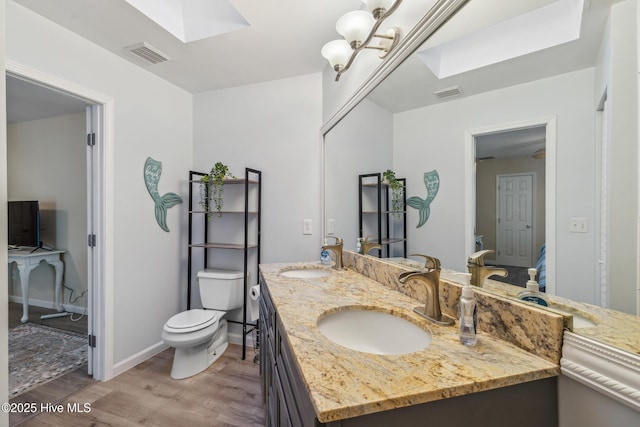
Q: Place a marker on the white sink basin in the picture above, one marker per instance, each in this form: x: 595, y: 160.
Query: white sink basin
x: 578, y: 320
x: 306, y: 273
x: 374, y: 332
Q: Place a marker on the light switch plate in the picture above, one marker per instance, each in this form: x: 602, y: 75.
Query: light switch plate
x: 330, y: 226
x: 578, y: 224
x: 306, y: 226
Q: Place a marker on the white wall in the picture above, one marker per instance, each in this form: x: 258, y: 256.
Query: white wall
x: 433, y: 138
x: 361, y: 143
x: 579, y: 405
x: 152, y: 118
x: 47, y: 162
x: 272, y: 127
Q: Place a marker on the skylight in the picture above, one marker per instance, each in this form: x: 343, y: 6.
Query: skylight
x: 539, y: 29
x: 191, y: 20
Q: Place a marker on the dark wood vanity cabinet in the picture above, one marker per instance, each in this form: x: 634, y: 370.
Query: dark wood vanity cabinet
x: 286, y: 399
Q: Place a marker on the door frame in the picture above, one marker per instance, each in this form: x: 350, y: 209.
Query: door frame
x: 550, y: 186
x: 532, y: 254
x: 103, y: 253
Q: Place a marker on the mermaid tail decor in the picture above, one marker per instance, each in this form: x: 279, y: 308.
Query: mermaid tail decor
x: 152, y: 174
x: 432, y: 182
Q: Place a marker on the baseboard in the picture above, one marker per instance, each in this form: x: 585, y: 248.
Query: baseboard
x: 237, y: 339
x: 49, y: 304
x: 138, y: 358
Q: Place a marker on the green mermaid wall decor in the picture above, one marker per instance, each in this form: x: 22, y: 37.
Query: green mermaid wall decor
x: 152, y: 174
x: 432, y: 182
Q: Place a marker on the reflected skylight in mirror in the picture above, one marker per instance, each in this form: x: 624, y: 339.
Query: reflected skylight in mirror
x: 506, y: 40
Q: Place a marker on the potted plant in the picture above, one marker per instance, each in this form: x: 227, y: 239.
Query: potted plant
x: 397, y: 192
x: 212, y: 187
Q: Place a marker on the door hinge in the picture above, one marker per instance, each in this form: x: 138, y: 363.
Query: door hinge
x: 92, y: 341
x: 91, y: 240
x: 91, y: 139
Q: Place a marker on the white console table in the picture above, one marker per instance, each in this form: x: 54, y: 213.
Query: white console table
x: 27, y: 259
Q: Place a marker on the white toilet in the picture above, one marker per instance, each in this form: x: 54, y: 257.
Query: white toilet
x: 200, y: 335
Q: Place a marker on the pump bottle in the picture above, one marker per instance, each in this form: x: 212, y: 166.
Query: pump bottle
x: 533, y: 294
x: 468, y: 313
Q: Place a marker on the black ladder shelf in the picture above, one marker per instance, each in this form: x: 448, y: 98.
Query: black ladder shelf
x: 379, y: 209
x: 252, y: 178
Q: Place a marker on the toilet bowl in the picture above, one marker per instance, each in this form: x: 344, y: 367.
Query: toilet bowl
x: 200, y: 336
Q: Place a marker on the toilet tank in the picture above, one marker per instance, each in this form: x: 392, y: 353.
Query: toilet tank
x: 221, y: 289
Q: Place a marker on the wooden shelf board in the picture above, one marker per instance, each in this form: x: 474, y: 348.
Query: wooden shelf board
x: 221, y: 245
x: 231, y: 181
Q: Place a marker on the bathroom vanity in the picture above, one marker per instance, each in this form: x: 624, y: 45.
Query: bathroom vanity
x: 508, y: 378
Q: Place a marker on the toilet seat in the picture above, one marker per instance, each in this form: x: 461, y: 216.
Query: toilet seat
x: 192, y: 320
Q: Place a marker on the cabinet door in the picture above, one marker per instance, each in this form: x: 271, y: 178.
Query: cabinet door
x: 264, y: 366
x: 272, y: 405
x: 285, y: 418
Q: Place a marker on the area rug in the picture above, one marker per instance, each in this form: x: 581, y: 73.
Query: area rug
x: 38, y: 354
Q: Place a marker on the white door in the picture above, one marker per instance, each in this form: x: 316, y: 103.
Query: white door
x: 514, y: 228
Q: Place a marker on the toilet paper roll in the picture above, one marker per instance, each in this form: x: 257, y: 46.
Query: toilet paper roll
x: 254, y: 305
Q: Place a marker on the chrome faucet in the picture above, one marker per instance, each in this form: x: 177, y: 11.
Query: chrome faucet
x: 336, y: 248
x: 367, y: 247
x: 430, y: 278
x: 479, y: 271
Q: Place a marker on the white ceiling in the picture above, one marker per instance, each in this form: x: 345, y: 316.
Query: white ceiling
x: 284, y: 39
x: 412, y: 85
x: 28, y: 101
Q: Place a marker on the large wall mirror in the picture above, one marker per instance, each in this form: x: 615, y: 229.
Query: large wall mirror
x: 560, y: 116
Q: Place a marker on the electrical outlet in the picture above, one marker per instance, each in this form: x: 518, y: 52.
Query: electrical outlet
x: 578, y: 224
x: 306, y: 226
x: 330, y: 226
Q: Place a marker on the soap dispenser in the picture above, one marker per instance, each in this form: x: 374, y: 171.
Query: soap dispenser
x: 468, y: 313
x: 533, y: 294
x: 325, y: 257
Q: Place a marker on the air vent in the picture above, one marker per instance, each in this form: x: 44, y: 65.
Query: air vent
x: 448, y: 92
x: 148, y: 53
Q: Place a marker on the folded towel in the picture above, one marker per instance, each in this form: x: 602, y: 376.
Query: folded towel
x: 541, y: 266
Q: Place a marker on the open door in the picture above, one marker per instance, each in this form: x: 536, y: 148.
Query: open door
x: 94, y: 135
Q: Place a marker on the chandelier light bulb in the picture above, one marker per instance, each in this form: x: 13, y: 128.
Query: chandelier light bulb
x: 378, y: 7
x: 355, y: 26
x: 337, y: 52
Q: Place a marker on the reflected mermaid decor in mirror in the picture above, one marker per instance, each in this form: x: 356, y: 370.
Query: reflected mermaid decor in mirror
x: 432, y: 182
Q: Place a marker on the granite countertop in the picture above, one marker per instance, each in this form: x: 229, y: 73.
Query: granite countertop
x: 611, y: 327
x: 345, y: 383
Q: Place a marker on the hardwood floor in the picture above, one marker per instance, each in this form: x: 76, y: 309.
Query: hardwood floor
x: 65, y: 323
x: 226, y: 394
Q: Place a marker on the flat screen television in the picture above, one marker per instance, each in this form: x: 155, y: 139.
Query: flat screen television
x: 24, y: 223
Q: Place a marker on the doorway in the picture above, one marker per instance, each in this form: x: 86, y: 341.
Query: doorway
x: 93, y: 110
x: 47, y: 165
x: 515, y: 224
